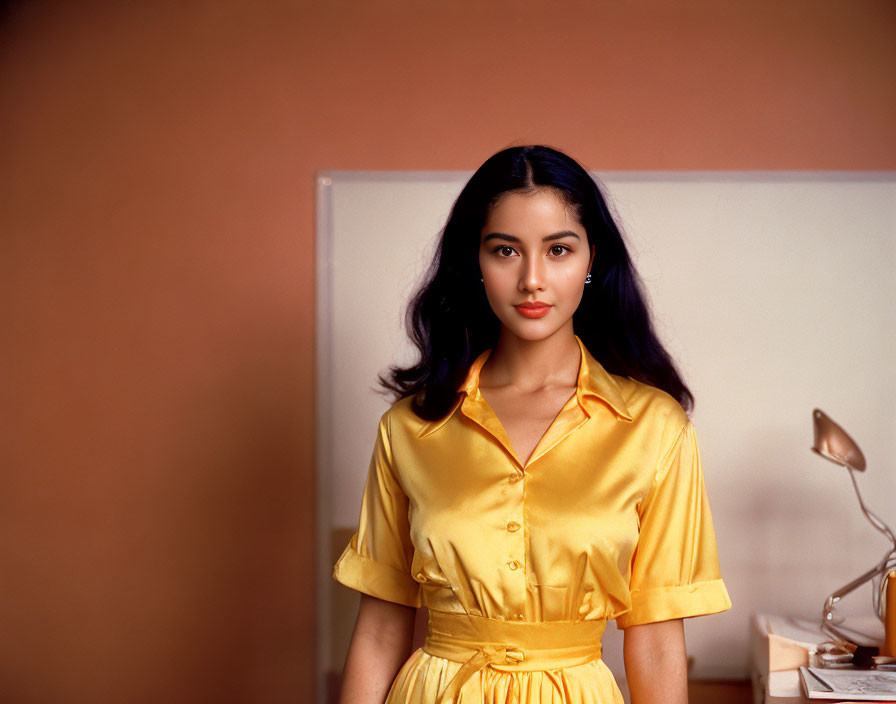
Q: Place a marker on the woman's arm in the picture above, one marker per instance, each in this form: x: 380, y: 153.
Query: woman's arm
x: 381, y: 643
x: 656, y: 663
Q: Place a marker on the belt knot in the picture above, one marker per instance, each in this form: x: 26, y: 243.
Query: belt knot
x: 480, y: 642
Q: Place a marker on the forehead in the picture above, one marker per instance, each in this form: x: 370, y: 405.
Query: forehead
x: 538, y: 213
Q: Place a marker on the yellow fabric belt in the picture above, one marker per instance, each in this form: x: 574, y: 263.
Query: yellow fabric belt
x: 480, y: 642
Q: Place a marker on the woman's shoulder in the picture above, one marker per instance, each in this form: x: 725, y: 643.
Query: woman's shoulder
x: 402, y: 416
x: 401, y: 408
x: 650, y: 404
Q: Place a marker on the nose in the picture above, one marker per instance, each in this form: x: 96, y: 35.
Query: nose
x: 532, y: 275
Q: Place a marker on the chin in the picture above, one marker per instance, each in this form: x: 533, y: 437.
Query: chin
x: 532, y: 332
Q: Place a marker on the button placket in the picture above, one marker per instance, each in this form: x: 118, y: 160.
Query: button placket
x: 512, y: 527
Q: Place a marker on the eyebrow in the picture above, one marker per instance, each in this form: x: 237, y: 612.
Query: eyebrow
x: 511, y: 238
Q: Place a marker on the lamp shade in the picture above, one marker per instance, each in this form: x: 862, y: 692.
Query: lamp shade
x: 834, y: 444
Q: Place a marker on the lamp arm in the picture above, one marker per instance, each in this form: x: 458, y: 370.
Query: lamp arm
x: 884, y: 566
x: 854, y: 584
x: 875, y: 521
x: 881, y: 568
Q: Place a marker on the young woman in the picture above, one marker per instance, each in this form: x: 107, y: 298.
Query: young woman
x: 539, y: 475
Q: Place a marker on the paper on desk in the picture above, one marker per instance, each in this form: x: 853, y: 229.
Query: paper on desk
x: 857, y: 681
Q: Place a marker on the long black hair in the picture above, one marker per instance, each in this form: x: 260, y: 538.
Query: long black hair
x: 451, y: 322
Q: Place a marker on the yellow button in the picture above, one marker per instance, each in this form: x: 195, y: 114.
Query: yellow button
x: 513, y: 564
x: 513, y: 526
x: 514, y: 477
x: 518, y: 617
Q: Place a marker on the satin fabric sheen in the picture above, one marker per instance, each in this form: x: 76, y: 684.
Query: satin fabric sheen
x: 509, y: 646
x: 608, y: 519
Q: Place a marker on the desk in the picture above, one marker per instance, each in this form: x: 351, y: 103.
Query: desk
x: 775, y: 658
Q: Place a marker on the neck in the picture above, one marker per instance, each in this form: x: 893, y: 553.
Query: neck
x: 533, y: 364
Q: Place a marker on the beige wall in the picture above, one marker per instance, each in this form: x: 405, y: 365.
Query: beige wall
x: 156, y: 260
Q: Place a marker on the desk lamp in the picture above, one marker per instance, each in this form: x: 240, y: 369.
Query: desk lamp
x: 832, y: 443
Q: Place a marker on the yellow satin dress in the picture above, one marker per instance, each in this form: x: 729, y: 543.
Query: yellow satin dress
x: 521, y: 566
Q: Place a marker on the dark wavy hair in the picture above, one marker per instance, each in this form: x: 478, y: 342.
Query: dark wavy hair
x: 450, y: 320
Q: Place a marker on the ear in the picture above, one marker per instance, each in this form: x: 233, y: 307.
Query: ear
x: 591, y: 261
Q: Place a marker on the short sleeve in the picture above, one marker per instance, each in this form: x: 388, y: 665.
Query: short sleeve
x: 377, y: 560
x: 675, y: 566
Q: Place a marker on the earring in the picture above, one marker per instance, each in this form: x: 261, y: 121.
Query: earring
x: 481, y: 280
x: 588, y: 278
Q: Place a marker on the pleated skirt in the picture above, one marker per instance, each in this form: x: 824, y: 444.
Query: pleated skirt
x: 424, y: 677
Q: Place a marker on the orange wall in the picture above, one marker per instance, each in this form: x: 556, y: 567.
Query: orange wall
x: 156, y: 264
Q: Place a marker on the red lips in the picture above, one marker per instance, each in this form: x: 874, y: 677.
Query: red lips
x: 533, y: 309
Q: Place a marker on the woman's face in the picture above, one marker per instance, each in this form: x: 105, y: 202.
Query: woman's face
x: 534, y: 256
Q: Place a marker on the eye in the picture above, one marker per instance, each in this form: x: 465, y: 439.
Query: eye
x: 559, y: 250
x: 504, y: 250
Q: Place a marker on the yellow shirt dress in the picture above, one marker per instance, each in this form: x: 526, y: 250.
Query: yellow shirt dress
x: 521, y: 566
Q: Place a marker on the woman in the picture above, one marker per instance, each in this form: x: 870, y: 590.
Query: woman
x: 538, y: 475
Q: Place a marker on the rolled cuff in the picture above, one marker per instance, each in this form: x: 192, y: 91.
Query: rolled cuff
x: 665, y: 603
x: 376, y: 579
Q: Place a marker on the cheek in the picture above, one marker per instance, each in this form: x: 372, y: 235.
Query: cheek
x: 571, y: 278
x: 571, y: 286
x: 497, y: 289
x: 494, y: 273
x: 487, y: 267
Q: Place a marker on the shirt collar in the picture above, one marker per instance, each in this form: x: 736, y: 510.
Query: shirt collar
x: 595, y: 387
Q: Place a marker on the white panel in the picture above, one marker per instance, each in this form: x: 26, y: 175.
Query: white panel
x: 775, y: 292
